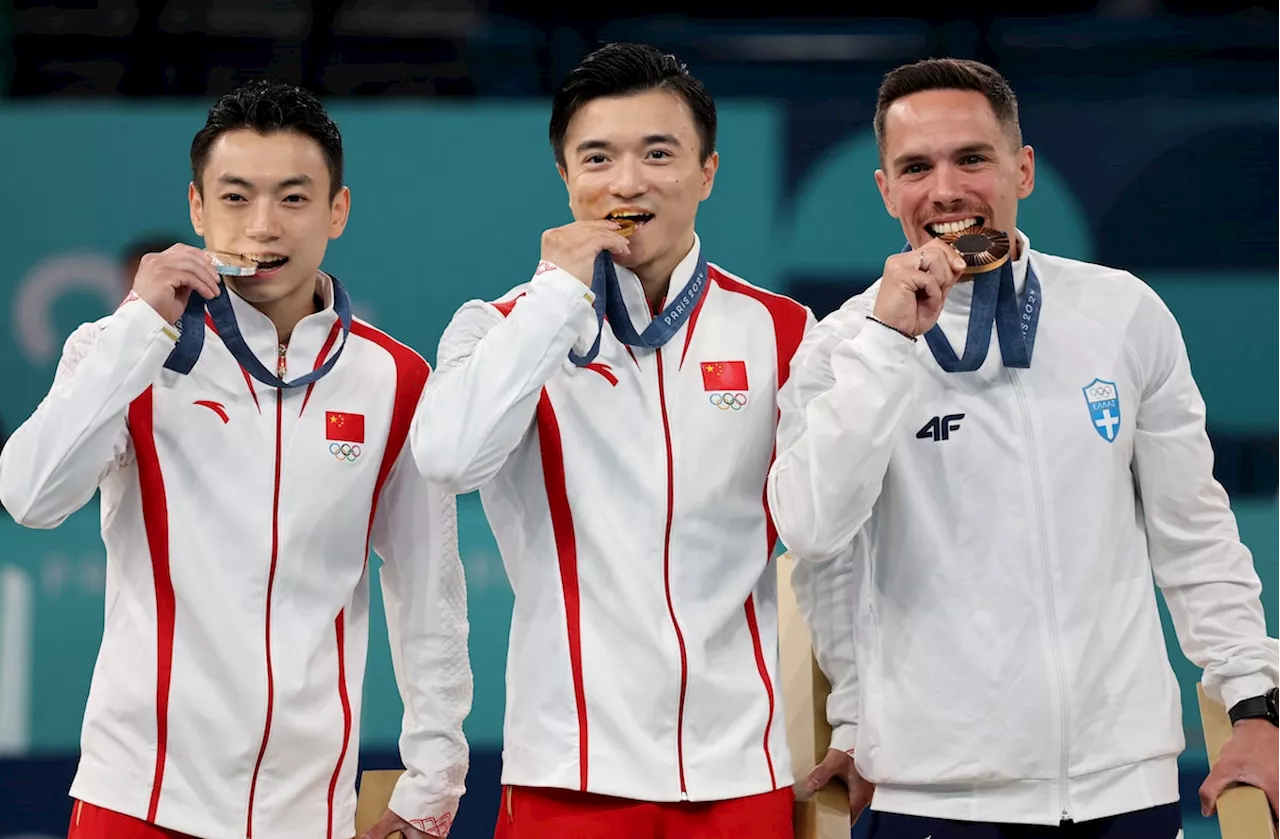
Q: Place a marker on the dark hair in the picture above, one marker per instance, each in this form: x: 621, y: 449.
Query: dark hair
x: 948, y: 74
x: 151, y: 243
x: 267, y: 106
x: 624, y: 69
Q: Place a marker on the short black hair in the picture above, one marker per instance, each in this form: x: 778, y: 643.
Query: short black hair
x: 267, y: 106
x: 949, y: 74
x: 150, y: 243
x: 624, y: 69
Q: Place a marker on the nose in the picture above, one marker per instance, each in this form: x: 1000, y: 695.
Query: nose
x: 628, y: 178
x: 948, y: 186
x: 264, y: 222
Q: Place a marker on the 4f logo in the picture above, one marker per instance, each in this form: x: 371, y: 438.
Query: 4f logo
x: 940, y: 428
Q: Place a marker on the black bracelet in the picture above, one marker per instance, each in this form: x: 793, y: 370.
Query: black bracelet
x: 909, y: 337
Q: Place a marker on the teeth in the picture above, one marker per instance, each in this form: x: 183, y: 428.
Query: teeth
x: 952, y: 226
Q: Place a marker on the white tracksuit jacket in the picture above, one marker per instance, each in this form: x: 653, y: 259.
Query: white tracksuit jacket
x: 980, y: 586
x: 225, y: 702
x: 627, y: 499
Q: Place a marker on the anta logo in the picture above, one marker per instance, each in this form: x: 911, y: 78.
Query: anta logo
x: 217, y: 407
x: 604, y: 370
x: 940, y: 428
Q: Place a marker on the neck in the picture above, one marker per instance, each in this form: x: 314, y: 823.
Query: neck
x: 655, y: 278
x: 288, y: 310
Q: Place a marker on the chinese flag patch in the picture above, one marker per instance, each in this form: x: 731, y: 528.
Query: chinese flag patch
x: 724, y: 375
x: 347, y: 428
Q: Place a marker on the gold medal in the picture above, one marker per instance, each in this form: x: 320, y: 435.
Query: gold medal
x: 629, y: 221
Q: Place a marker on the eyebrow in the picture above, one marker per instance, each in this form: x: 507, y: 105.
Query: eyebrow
x: 984, y: 147
x: 287, y: 183
x: 649, y: 140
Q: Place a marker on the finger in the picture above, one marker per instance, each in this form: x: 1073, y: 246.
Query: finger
x: 617, y: 244
x: 200, y: 264
x: 201, y: 285
x: 380, y: 830
x: 196, y: 263
x: 194, y: 282
x: 945, y: 262
x: 930, y: 289
x: 1212, y: 788
x: 858, y: 801
x: 820, y: 776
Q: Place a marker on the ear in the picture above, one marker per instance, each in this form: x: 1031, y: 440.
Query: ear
x: 196, y: 204
x: 709, y: 168
x: 882, y: 184
x: 339, y: 211
x: 1026, y: 171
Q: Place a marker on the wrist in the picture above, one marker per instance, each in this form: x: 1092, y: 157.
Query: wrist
x: 1255, y: 709
x: 904, y: 333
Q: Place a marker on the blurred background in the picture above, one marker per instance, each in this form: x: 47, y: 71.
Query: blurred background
x: 1155, y: 126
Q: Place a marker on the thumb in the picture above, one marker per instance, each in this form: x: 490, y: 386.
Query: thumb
x: 822, y: 774
x: 1213, y: 786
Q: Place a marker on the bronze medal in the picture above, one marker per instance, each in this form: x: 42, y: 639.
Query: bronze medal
x: 983, y: 248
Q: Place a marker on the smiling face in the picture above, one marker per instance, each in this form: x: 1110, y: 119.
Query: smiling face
x: 948, y: 163
x: 639, y: 156
x: 267, y: 196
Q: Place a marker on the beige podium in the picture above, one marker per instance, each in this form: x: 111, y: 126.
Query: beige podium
x: 804, y: 697
x: 1243, y: 812
x: 825, y: 815
x: 376, y: 786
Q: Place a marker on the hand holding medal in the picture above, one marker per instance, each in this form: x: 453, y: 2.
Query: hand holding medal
x: 575, y: 246
x: 167, y: 279
x: 915, y: 285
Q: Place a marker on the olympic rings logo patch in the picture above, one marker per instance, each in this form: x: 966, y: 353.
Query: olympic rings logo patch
x: 344, y: 451
x: 729, y: 401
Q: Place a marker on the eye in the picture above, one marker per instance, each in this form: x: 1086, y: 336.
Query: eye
x: 234, y: 198
x: 660, y: 154
x: 595, y: 160
x: 972, y: 160
x: 914, y: 169
x: 295, y: 199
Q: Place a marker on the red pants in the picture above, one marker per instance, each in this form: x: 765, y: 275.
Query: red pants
x: 540, y: 813
x: 91, y: 822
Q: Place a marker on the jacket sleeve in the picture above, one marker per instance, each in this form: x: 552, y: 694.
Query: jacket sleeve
x: 482, y: 398
x: 851, y: 382
x: 54, y: 461
x: 1205, y: 572
x: 424, y: 595
x: 829, y: 593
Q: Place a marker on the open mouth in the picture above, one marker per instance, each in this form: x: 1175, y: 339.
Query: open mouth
x: 630, y: 220
x: 268, y: 262
x: 982, y: 248
x: 940, y: 228
x: 243, y: 265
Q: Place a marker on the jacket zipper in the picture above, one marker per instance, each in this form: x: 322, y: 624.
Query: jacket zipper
x: 271, y: 580
x: 1050, y: 603
x: 666, y: 578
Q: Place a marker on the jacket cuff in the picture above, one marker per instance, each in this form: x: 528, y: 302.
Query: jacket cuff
x: 578, y: 299
x: 1236, y: 688
x: 844, y: 737
x: 137, y: 316
x: 433, y: 816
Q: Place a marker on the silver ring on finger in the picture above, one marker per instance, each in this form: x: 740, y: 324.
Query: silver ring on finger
x: 923, y: 265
